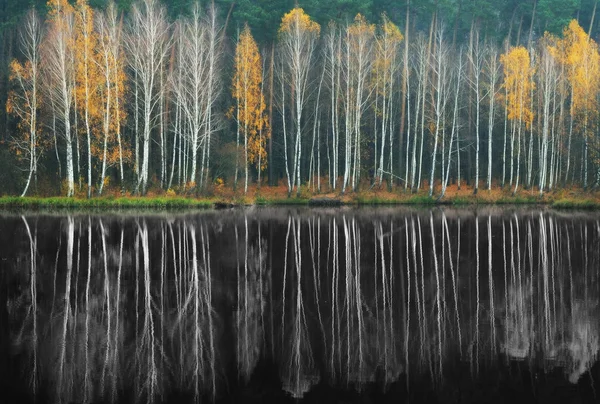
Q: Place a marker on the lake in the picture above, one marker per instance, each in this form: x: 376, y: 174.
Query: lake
x: 336, y: 304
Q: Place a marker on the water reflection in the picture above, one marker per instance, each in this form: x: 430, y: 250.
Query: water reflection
x: 139, y: 308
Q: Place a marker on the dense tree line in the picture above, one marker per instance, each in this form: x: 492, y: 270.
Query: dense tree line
x: 140, y: 95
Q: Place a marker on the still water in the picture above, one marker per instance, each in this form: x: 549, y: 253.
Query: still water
x: 356, y: 305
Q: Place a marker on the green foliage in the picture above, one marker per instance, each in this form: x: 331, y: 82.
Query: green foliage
x: 338, y: 10
x: 461, y: 201
x: 554, y: 15
x: 576, y: 204
x: 420, y: 200
x: 262, y: 16
x: 102, y: 203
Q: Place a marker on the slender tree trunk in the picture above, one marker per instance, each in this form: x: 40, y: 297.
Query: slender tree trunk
x: 405, y: 105
x: 504, y: 146
x: 271, y: 74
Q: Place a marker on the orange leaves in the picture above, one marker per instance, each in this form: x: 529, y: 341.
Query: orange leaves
x: 518, y: 81
x: 247, y: 91
x: 298, y: 20
x: 57, y: 8
x: 580, y: 54
x: 361, y: 27
x: 20, y: 102
x: 360, y: 34
x: 248, y: 66
x: 16, y: 70
x: 391, y: 30
x: 88, y: 75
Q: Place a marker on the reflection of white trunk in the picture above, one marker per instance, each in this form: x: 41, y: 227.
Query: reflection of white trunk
x: 299, y: 373
x: 454, y: 277
x: 437, y: 297
x: 408, y: 308
x: 148, y: 338
x: 549, y: 301
x: 477, y: 309
x: 116, y: 355
x: 87, y: 308
x: 66, y: 305
x: 198, y: 343
x: 109, y: 316
x: 33, y: 294
x: 491, y: 286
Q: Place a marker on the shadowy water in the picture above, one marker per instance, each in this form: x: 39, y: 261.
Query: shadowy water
x: 324, y: 305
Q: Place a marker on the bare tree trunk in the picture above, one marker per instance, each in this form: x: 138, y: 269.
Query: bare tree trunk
x: 493, y: 69
x: 148, y: 45
x: 24, y: 100
x: 405, y: 106
x: 60, y: 67
x: 440, y: 68
x: 459, y: 78
x: 271, y: 76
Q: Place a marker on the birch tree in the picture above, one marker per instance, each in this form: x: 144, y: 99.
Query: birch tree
x: 213, y: 89
x: 298, y: 36
x: 358, y: 59
x: 386, y: 65
x: 110, y: 63
x: 439, y: 66
x: 247, y: 91
x: 458, y: 78
x: 548, y: 86
x: 492, y: 75
x: 25, y: 99
x: 518, y: 84
x: 59, y: 64
x: 88, y: 78
x: 583, y: 60
x: 332, y: 60
x: 147, y: 45
x: 476, y: 59
x: 190, y: 90
x: 420, y: 60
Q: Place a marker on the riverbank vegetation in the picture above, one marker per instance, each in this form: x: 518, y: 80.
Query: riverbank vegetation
x: 226, y: 197
x: 394, y: 106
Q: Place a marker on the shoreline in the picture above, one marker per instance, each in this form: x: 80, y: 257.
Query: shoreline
x: 587, y: 201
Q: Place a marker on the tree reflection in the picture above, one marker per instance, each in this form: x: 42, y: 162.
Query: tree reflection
x: 113, y: 307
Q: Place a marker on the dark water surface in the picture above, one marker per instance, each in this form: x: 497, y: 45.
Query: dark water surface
x: 328, y: 305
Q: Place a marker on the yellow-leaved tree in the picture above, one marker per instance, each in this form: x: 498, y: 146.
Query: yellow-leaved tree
x: 518, y: 83
x: 583, y: 71
x: 88, y: 80
x: 250, y: 115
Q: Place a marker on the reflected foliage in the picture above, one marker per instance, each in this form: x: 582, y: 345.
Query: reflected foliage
x: 125, y: 308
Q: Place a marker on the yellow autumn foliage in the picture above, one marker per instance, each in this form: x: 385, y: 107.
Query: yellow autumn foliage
x: 518, y: 82
x: 388, y: 41
x: 297, y: 20
x: 583, y: 61
x: 88, y: 77
x: 247, y: 91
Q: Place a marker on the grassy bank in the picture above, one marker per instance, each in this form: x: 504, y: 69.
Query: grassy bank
x: 272, y: 196
x: 104, y: 203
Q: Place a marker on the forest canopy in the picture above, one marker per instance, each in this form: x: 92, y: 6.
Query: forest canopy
x: 338, y: 95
